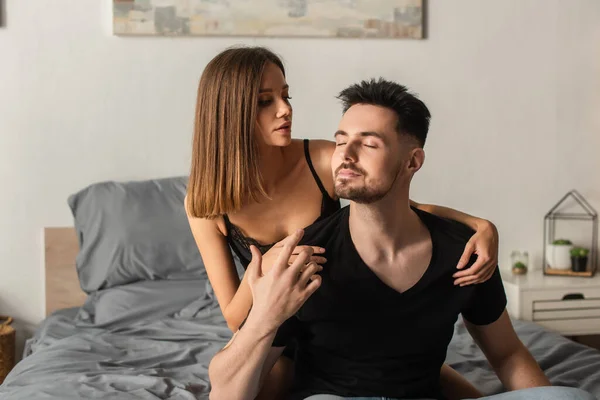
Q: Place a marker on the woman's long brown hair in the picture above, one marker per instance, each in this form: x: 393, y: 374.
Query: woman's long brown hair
x: 225, y: 164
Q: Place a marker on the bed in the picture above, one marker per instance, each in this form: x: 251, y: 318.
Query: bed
x: 131, y: 314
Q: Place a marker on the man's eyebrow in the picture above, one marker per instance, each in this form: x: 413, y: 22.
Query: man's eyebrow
x: 374, y: 134
x: 266, y: 90
x: 363, y: 134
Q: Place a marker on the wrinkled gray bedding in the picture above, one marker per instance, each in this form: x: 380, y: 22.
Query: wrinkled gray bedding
x: 154, y: 340
x: 147, y: 340
x: 565, y: 362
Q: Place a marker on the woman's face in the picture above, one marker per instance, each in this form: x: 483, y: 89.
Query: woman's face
x: 274, y: 117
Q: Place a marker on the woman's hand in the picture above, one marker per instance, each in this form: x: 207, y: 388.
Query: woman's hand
x: 484, y: 244
x: 271, y: 256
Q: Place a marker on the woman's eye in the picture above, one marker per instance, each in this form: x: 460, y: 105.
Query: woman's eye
x: 340, y: 144
x: 265, y: 102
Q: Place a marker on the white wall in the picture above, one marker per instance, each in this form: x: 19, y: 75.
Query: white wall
x: 513, y: 85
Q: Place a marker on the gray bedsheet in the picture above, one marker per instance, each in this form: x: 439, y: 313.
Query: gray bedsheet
x: 565, y: 362
x: 154, y: 340
x: 123, y: 346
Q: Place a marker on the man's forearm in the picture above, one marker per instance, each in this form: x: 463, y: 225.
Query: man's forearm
x: 455, y: 386
x: 521, y: 371
x: 235, y: 372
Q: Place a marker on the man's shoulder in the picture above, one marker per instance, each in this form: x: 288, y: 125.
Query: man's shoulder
x: 450, y: 230
x: 326, y: 229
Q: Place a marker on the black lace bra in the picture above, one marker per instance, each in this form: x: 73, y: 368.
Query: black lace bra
x: 240, y: 244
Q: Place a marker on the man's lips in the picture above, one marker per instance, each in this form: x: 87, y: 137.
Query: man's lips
x: 347, y: 173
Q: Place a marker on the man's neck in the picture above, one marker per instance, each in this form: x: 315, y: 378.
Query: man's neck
x: 385, y: 227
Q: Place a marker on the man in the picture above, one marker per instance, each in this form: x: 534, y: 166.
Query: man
x: 377, y: 319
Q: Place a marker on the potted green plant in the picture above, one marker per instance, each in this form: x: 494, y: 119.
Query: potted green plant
x: 519, y: 268
x: 519, y: 261
x: 558, y: 255
x: 579, y: 258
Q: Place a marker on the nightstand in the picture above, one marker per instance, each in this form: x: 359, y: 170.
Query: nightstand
x: 7, y: 347
x: 568, y: 305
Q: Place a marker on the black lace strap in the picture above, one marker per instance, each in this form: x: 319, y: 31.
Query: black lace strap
x: 312, y: 169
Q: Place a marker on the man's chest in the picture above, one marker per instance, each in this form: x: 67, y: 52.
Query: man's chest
x: 400, y: 271
x: 354, y: 307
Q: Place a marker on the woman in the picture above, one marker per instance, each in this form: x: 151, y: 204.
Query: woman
x: 251, y: 183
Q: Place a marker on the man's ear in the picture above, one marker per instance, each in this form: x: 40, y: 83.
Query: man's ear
x: 416, y: 160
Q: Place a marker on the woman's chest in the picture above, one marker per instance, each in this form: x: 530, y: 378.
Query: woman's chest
x: 288, y: 208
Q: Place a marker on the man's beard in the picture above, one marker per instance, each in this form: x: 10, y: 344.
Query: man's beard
x: 364, y: 194
x: 360, y: 195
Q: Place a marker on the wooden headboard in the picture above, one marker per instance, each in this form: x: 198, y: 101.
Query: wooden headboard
x: 62, y: 284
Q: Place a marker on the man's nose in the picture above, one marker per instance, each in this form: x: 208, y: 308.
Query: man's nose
x: 349, y: 152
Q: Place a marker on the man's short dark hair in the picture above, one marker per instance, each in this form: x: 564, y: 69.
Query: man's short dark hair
x: 413, y: 115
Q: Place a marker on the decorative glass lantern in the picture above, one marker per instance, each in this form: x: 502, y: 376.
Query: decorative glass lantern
x: 563, y: 256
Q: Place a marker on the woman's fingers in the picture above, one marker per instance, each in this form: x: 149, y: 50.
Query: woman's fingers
x: 315, y: 259
x: 315, y: 249
x: 299, y: 263
x: 307, y: 273
x: 318, y: 260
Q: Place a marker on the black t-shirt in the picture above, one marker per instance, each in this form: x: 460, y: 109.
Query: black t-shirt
x: 356, y: 336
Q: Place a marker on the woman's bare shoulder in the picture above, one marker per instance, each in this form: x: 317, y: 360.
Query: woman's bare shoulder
x: 323, y: 146
x: 204, y: 224
x: 321, y: 152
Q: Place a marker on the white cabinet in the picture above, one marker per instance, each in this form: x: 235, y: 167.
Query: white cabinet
x: 568, y: 305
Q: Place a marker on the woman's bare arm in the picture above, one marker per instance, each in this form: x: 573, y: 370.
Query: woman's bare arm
x: 483, y: 243
x: 471, y: 221
x: 234, y: 297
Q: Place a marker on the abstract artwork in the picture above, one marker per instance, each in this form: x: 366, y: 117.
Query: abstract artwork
x: 272, y: 18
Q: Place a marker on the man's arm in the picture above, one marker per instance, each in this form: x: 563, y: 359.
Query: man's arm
x: 514, y: 365
x: 456, y: 386
x: 239, y: 369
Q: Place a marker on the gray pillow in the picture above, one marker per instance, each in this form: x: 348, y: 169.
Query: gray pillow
x: 146, y: 300
x: 132, y: 231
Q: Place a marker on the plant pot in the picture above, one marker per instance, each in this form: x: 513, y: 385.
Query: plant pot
x: 558, y: 256
x: 579, y: 264
x: 519, y: 271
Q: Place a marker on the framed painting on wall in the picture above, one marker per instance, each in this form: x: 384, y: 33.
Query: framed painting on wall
x: 392, y: 19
